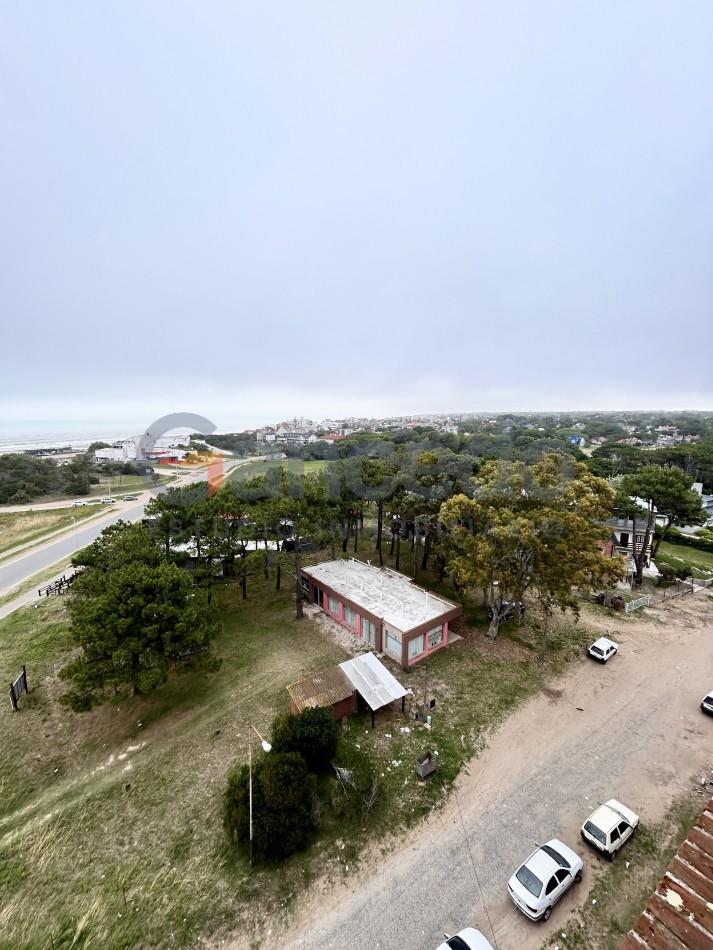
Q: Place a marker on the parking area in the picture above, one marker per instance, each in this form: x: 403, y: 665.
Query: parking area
x: 631, y: 729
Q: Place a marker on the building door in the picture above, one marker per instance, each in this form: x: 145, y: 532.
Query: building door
x: 318, y: 596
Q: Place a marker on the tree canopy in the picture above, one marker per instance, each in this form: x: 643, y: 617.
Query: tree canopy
x: 530, y: 527
x: 657, y: 491
x: 133, y: 615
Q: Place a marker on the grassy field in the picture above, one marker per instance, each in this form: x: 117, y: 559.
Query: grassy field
x: 110, y: 821
x: 259, y: 468
x: 676, y: 554
x: 23, y: 526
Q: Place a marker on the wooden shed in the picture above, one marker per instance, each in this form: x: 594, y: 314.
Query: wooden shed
x: 331, y: 687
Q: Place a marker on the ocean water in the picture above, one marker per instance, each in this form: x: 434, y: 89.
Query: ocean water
x: 17, y: 437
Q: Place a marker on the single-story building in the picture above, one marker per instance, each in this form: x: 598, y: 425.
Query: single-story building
x: 386, y: 609
x: 340, y: 687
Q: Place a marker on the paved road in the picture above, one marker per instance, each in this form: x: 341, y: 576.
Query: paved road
x: 22, y: 568
x: 639, y: 737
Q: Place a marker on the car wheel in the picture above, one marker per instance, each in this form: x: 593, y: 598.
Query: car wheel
x: 546, y: 915
x: 611, y: 855
x: 577, y: 877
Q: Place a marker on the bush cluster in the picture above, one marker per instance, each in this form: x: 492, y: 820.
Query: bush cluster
x: 284, y: 786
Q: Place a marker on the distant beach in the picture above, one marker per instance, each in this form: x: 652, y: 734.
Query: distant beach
x: 18, y: 439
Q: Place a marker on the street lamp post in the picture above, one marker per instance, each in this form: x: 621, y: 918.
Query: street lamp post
x: 266, y: 748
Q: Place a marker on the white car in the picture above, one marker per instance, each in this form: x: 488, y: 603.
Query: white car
x: 610, y: 827
x: 467, y: 939
x: 707, y: 703
x: 603, y: 649
x: 539, y: 883
x: 107, y: 501
x: 78, y: 504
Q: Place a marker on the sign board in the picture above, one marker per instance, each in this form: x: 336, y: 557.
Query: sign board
x: 18, y: 688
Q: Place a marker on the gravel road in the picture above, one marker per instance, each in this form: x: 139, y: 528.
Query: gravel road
x: 640, y: 737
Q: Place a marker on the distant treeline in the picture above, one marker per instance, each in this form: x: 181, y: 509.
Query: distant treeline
x: 515, y: 439
x: 24, y: 478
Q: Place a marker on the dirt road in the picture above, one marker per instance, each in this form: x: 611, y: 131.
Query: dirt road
x: 639, y: 736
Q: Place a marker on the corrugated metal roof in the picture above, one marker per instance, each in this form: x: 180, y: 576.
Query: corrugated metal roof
x: 373, y: 681
x: 323, y: 689
x: 383, y: 592
x: 680, y: 913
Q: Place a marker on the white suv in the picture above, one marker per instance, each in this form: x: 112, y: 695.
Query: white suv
x: 610, y: 827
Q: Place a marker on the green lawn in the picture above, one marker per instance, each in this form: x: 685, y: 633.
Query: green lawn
x: 110, y: 821
x: 676, y: 553
x: 22, y: 526
x: 259, y: 468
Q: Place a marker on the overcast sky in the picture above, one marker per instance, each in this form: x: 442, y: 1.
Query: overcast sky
x: 258, y: 210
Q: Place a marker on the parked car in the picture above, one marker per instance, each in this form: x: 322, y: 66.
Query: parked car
x: 602, y: 649
x: 131, y: 497
x: 539, y: 883
x: 610, y: 827
x: 466, y: 939
x: 107, y: 501
x: 508, y: 609
x: 78, y: 504
x: 707, y: 703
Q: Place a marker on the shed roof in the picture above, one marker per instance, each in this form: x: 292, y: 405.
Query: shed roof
x: 383, y: 592
x: 323, y: 689
x: 373, y: 681
x: 680, y: 912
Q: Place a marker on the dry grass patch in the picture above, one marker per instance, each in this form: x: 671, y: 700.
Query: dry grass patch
x: 110, y: 821
x: 21, y: 527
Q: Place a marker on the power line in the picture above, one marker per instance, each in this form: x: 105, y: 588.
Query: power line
x: 475, y: 872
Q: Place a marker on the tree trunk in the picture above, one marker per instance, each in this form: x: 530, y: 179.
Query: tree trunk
x: 426, y: 551
x: 379, y: 529
x: 661, y: 537
x: 398, y: 550
x: 345, y: 534
x: 299, y: 612
x: 279, y: 572
x: 356, y: 534
x: 640, y: 556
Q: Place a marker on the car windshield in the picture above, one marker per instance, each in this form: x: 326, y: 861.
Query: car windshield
x: 595, y: 832
x: 529, y: 881
x: 596, y: 650
x: 556, y: 856
x: 457, y: 943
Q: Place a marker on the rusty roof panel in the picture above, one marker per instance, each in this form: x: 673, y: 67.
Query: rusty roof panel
x: 654, y: 935
x: 689, y: 875
x: 702, y: 840
x: 679, y: 916
x: 323, y: 689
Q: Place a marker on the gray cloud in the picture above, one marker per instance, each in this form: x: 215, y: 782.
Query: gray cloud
x: 314, y: 209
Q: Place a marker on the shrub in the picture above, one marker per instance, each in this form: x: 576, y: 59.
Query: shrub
x: 313, y: 734
x: 282, y: 805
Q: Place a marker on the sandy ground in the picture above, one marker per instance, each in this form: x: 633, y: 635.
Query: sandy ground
x: 631, y: 729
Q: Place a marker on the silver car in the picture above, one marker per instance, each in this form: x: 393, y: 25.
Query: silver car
x: 467, y: 939
x: 539, y: 883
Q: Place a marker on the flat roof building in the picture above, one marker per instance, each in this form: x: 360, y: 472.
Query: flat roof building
x: 385, y: 608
